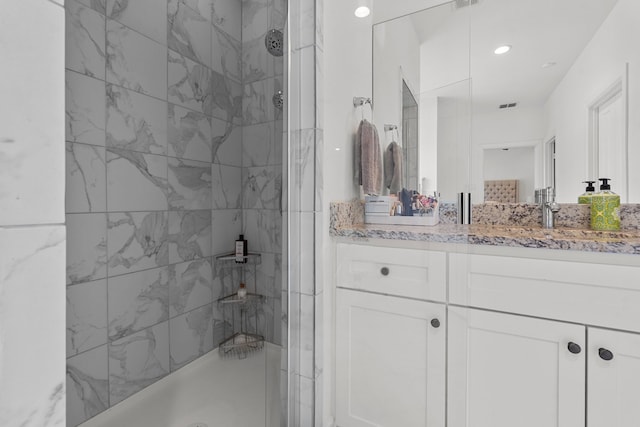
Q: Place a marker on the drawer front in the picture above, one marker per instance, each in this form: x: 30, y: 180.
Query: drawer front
x: 393, y: 271
x: 595, y: 294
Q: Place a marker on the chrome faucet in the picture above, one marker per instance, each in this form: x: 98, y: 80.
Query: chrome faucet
x: 546, y: 198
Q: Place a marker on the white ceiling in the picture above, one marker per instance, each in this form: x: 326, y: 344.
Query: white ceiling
x: 540, y: 31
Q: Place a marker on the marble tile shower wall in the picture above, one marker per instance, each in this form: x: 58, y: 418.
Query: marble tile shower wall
x: 262, y: 136
x: 160, y: 95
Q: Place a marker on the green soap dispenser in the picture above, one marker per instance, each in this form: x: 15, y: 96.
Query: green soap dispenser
x: 585, y: 198
x: 605, y: 208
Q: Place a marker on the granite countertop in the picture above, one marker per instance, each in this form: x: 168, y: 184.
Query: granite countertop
x: 347, y: 221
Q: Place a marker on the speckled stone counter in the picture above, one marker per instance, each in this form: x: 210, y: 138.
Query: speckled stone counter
x: 511, y: 226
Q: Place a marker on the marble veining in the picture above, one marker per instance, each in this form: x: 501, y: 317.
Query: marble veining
x: 135, y: 61
x: 229, y: 61
x: 85, y: 42
x: 189, y: 235
x: 189, y: 32
x: 191, y: 336
x: 189, y: 134
x: 87, y: 385
x: 85, y: 109
x: 136, y: 181
x: 190, y: 286
x: 137, y: 301
x: 97, y: 5
x: 145, y: 16
x: 136, y: 122
x: 86, y: 316
x: 86, y: 187
x: 137, y: 240
x: 189, y: 184
x: 227, y: 15
x: 262, y: 187
x: 87, y: 247
x: 226, y: 186
x: 226, y: 144
x: 138, y: 361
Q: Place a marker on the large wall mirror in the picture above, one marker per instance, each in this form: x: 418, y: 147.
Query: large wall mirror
x: 561, y: 106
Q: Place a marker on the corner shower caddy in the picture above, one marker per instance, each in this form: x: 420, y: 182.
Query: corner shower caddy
x: 243, y: 339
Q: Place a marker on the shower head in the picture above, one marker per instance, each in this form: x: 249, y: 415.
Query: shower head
x: 278, y: 100
x: 274, y: 42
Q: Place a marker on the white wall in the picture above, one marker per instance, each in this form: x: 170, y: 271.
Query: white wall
x: 32, y: 230
x: 599, y: 65
x: 510, y: 128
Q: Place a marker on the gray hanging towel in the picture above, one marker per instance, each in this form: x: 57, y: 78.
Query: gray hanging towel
x: 368, y: 159
x: 393, y: 168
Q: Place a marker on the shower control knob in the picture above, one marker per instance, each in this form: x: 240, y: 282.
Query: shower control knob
x: 605, y: 354
x: 384, y: 271
x: 574, y: 348
x: 435, y: 323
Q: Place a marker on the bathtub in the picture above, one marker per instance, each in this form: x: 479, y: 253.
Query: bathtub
x: 209, y: 392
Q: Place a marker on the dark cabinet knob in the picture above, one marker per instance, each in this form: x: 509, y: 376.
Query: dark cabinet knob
x: 574, y: 348
x: 605, y: 354
x: 384, y: 271
x: 435, y: 323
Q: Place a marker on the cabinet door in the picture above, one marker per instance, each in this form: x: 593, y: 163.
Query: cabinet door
x: 613, y: 379
x: 390, y: 361
x: 507, y: 370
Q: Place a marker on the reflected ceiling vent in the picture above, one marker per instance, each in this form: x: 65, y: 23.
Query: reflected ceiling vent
x: 510, y: 105
x: 465, y: 3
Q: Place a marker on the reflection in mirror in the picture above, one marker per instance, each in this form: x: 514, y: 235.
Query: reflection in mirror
x: 403, y: 60
x: 569, y: 84
x: 410, y: 150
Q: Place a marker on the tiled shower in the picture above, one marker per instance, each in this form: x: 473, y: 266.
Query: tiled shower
x: 174, y: 148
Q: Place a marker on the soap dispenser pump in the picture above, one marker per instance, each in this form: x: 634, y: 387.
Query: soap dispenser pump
x: 585, y: 198
x: 605, y: 208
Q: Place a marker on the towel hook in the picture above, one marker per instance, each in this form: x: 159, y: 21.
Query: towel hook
x: 391, y: 128
x: 361, y: 101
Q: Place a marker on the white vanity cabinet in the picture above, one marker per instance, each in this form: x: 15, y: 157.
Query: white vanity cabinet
x: 508, y: 366
x: 507, y: 370
x: 390, y: 341
x: 525, y: 337
x: 613, y: 378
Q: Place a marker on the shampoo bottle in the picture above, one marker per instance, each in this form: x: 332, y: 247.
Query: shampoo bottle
x: 585, y: 198
x: 241, y: 249
x: 605, y: 208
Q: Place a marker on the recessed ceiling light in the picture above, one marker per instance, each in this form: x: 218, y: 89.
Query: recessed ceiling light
x: 364, y: 8
x: 362, y: 12
x: 502, y: 49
